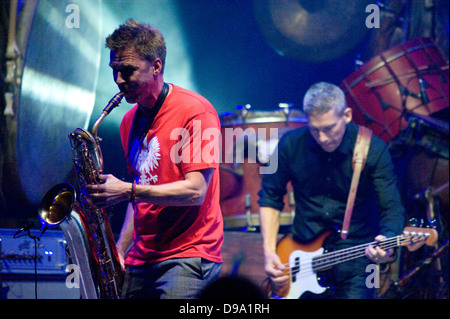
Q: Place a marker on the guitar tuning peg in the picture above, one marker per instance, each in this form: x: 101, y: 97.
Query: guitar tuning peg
x: 422, y: 223
x: 413, y: 222
x: 432, y: 223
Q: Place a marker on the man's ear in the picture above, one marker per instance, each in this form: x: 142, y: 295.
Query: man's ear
x: 348, y: 115
x: 157, y: 66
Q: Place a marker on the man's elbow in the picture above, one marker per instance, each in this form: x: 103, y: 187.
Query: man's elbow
x: 197, y: 197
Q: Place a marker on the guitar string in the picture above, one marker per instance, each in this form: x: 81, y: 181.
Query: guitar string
x: 312, y: 270
x: 385, y: 242
x: 346, y: 250
x: 333, y: 258
x: 350, y: 253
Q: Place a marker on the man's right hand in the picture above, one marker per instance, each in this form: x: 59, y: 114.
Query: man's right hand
x: 121, y: 255
x: 275, y: 270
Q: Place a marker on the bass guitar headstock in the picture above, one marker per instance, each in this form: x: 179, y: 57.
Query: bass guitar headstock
x: 415, y: 237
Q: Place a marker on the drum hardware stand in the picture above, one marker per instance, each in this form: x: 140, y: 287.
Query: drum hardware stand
x: 244, y: 111
x: 286, y: 107
x: 428, y: 134
x: 13, y: 63
x: 432, y: 258
x: 430, y: 194
x: 248, y: 213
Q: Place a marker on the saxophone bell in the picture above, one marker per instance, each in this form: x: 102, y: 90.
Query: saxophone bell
x: 86, y: 229
x: 56, y: 205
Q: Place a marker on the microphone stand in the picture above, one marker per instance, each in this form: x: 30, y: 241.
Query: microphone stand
x: 27, y: 228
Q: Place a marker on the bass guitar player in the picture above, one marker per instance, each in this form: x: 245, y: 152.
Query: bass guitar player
x: 318, y: 160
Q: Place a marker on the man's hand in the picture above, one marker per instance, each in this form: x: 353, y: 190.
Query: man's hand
x: 376, y: 254
x: 111, y: 191
x: 275, y: 270
x: 121, y: 255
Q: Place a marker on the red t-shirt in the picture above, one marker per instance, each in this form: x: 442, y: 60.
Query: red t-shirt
x: 163, y: 232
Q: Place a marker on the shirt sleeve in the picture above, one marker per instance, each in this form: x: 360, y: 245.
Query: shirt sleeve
x: 391, y: 210
x: 273, y: 186
x: 202, y: 143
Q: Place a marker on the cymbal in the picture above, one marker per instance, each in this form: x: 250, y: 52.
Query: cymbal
x: 311, y: 30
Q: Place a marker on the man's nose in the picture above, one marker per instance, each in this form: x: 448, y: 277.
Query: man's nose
x: 322, y: 137
x: 119, y: 78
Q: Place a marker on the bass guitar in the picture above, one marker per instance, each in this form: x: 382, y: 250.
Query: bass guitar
x: 303, y: 261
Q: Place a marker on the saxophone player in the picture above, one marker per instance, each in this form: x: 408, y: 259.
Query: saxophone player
x: 170, y: 242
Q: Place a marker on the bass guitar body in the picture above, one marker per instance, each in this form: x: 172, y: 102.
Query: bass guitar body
x: 300, y: 257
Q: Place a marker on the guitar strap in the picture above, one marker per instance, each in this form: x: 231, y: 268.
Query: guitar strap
x: 360, y: 152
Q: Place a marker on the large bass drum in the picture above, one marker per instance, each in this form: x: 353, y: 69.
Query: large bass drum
x: 248, y: 140
x: 411, y: 77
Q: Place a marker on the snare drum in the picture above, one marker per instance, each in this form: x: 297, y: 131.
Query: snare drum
x: 248, y: 139
x: 411, y: 77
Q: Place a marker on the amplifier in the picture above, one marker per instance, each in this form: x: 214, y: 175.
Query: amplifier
x: 20, y: 256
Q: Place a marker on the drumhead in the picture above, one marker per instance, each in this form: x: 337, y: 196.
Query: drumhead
x: 260, y: 117
x: 410, y: 78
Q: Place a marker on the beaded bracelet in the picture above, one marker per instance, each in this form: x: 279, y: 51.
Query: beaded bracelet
x: 133, y: 192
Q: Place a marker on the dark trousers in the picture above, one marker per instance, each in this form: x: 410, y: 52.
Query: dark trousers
x: 180, y: 278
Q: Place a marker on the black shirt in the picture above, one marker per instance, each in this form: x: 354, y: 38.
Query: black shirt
x: 321, y: 183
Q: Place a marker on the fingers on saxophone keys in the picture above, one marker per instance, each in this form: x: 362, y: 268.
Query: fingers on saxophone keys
x: 86, y: 190
x: 91, y: 191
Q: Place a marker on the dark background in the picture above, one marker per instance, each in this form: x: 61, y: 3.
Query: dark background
x: 214, y: 47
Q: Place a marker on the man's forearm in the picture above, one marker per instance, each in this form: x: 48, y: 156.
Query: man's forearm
x: 270, y: 224
x: 126, y: 234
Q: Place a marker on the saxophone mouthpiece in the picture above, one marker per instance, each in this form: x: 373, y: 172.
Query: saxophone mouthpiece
x: 108, y: 108
x: 113, y: 102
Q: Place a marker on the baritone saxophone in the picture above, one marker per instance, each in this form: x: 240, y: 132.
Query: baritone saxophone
x: 86, y: 229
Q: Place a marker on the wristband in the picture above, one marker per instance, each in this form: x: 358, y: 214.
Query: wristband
x: 133, y: 192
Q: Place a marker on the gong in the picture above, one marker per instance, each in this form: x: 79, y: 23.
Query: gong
x: 311, y: 30
x: 60, y: 42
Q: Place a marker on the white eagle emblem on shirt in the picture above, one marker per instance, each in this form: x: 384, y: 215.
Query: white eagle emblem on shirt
x: 148, y: 160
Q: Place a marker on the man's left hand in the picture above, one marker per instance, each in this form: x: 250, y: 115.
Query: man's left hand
x: 110, y: 191
x: 378, y: 255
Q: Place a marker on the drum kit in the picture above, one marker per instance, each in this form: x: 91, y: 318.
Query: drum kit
x: 255, y: 135
x: 395, y: 94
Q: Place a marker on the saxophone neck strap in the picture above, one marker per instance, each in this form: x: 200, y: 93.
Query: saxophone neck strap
x: 138, y: 132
